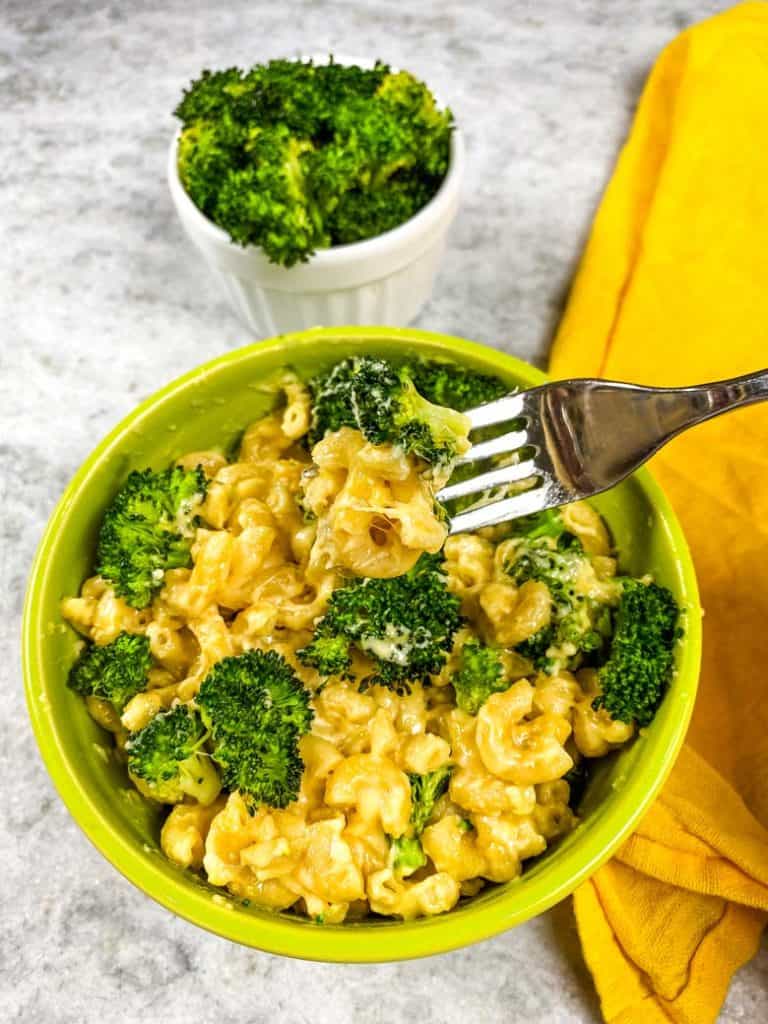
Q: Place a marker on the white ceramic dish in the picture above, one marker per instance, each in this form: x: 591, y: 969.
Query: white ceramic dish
x: 384, y: 280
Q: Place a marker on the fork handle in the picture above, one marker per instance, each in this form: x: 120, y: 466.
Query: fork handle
x: 685, y: 407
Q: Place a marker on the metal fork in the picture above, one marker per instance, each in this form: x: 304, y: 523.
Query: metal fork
x: 575, y: 438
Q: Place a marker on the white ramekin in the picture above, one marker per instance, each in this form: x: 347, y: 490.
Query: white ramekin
x: 384, y: 280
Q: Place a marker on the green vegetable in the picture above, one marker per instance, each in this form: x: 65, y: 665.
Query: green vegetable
x: 639, y: 664
x: 330, y: 655
x: 293, y: 157
x: 166, y: 754
x: 115, y: 671
x: 405, y: 625
x: 540, y: 558
x: 454, y: 386
x: 147, y: 530
x: 381, y: 401
x: 535, y: 647
x: 549, y: 523
x: 548, y: 553
x: 426, y: 790
x: 480, y: 673
x: 257, y: 710
x: 408, y: 855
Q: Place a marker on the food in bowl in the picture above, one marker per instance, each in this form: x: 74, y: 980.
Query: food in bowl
x: 348, y: 711
x: 293, y: 156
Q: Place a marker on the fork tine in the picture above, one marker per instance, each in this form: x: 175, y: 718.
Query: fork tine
x: 525, y: 504
x: 486, y: 481
x: 502, y: 445
x: 499, y: 411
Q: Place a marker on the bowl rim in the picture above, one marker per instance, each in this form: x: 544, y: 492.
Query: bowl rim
x: 351, y: 943
x: 336, y: 256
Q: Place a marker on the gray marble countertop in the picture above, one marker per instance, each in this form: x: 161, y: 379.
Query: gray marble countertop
x: 103, y: 301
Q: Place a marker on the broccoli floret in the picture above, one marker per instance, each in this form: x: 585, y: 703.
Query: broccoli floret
x: 454, y: 386
x: 372, y: 396
x: 365, y: 213
x: 544, y: 559
x: 407, y: 855
x: 115, y: 671
x: 257, y: 710
x: 535, y: 648
x: 480, y: 673
x: 405, y: 625
x: 580, y: 625
x: 426, y: 790
x: 330, y: 655
x: 167, y: 756
x: 148, y: 529
x: 549, y: 523
x: 639, y: 665
x: 293, y: 157
x: 266, y: 202
x: 205, y: 157
x: 210, y: 96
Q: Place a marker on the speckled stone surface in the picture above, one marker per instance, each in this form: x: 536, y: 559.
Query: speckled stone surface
x: 102, y: 300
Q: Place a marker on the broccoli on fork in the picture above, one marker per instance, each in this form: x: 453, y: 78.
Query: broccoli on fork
x: 148, y: 529
x: 115, y: 671
x: 382, y: 402
x: 166, y: 756
x: 454, y: 386
x: 405, y: 625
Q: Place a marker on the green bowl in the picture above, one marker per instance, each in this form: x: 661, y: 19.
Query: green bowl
x: 210, y: 406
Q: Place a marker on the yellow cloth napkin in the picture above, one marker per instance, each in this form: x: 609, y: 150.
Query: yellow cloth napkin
x: 673, y: 289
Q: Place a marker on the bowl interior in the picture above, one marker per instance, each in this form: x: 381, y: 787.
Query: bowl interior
x: 209, y: 407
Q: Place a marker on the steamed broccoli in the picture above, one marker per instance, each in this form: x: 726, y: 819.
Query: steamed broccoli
x: 257, y: 710
x: 115, y: 671
x: 639, y: 664
x: 549, y: 523
x: 405, y: 625
x: 382, y: 402
x: 167, y: 756
x: 407, y: 855
x: 426, y: 790
x: 148, y: 529
x: 293, y: 156
x: 480, y: 673
x: 454, y: 386
x: 329, y: 654
x: 535, y: 647
x: 580, y: 625
x: 266, y: 197
x: 361, y: 214
x: 546, y: 560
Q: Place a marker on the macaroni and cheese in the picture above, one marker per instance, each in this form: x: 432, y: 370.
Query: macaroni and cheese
x: 280, y: 530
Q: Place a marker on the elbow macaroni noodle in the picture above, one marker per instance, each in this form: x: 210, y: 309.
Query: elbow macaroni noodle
x: 278, y: 529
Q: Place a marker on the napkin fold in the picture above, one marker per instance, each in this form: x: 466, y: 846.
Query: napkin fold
x: 673, y: 290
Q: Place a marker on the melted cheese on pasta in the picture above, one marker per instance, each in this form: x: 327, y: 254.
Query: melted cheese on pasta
x: 278, y: 528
